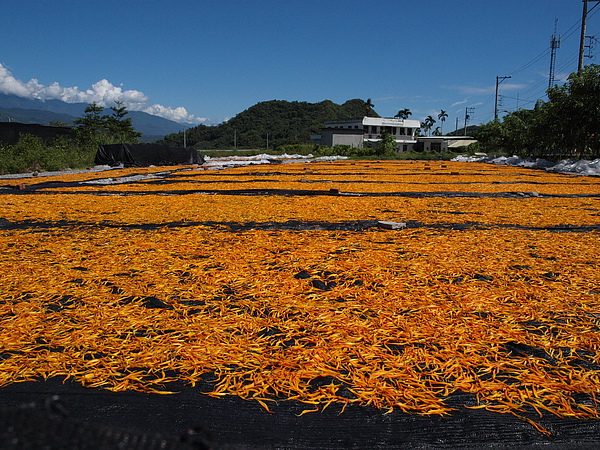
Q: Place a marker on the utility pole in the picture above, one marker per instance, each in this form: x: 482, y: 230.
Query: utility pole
x: 468, y: 112
x: 590, y: 46
x: 583, y: 31
x: 498, y: 81
x: 554, y: 44
x: 582, y: 41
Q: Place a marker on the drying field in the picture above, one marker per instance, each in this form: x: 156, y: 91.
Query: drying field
x: 278, y: 283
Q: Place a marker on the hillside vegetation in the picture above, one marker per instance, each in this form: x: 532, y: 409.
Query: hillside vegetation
x: 278, y: 121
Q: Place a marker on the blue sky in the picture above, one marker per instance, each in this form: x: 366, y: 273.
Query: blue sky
x: 206, y: 61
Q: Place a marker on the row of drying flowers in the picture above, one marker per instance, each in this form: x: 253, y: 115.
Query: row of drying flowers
x: 135, y: 289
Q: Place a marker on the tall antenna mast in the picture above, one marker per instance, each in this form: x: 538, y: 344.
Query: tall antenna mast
x: 554, y: 44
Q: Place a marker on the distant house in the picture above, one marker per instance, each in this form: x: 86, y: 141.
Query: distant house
x: 367, y: 131
x: 444, y: 143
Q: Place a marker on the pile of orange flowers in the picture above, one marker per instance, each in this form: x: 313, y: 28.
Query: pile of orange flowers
x: 159, y: 280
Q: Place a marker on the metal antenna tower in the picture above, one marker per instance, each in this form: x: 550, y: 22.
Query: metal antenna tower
x: 554, y: 44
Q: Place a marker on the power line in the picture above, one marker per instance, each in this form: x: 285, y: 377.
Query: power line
x: 530, y: 63
x: 564, y: 37
x: 519, y: 99
x: 567, y: 34
x: 539, y: 88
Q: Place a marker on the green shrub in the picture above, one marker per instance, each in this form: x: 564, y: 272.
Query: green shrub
x: 9, y: 163
x: 32, y: 154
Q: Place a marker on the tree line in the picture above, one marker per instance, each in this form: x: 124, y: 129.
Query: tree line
x: 99, y: 128
x: 567, y: 125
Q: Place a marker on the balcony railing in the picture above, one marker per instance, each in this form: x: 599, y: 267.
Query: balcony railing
x: 397, y: 136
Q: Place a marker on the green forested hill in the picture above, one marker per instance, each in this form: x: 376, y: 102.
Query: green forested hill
x: 284, y: 122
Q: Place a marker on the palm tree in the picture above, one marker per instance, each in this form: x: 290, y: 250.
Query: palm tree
x: 442, y: 116
x: 368, y: 106
x: 429, y: 121
x: 403, y: 113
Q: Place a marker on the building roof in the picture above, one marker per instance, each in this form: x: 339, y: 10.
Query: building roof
x: 390, y: 122
x: 461, y: 143
x: 378, y: 121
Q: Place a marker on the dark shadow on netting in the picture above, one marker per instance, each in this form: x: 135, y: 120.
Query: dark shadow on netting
x: 291, y: 225
x: 28, y: 190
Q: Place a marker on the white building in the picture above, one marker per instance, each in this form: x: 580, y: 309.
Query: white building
x: 444, y: 143
x: 358, y: 132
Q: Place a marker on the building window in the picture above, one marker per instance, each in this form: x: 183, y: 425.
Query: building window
x: 405, y: 148
x: 436, y: 146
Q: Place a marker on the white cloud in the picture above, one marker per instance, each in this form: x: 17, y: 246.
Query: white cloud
x: 512, y: 86
x: 387, y: 99
x: 104, y: 93
x: 462, y: 102
x: 472, y: 105
x: 10, y: 85
x: 179, y: 114
x: 486, y: 90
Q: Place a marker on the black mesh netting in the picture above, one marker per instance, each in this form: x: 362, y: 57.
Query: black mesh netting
x: 56, y: 415
x: 135, y: 155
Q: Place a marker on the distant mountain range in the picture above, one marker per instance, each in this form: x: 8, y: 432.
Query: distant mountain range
x: 23, y: 110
